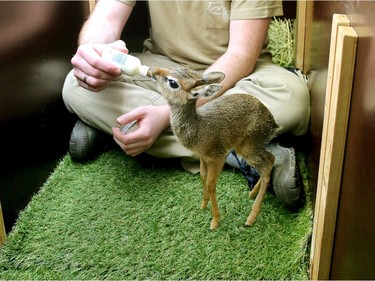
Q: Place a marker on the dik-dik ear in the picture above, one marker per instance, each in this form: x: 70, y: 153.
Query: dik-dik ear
x: 205, y: 91
x: 213, y: 77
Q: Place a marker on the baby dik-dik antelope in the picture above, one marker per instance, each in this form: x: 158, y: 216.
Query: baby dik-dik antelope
x: 236, y: 121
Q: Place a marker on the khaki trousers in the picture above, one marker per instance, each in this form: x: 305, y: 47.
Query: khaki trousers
x: 284, y: 93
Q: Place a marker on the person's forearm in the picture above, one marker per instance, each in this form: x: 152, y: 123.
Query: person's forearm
x: 94, y: 31
x: 105, y: 23
x: 100, y: 31
x: 245, y: 46
x: 234, y: 66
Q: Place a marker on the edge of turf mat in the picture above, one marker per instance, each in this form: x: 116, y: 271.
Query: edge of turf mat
x: 113, y: 218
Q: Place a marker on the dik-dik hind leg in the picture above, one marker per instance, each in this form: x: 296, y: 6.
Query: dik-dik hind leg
x: 247, y: 151
x: 206, y: 195
x: 213, y: 171
x: 258, y: 202
x: 263, y: 161
x: 253, y: 193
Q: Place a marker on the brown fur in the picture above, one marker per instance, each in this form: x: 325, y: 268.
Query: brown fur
x: 237, y: 121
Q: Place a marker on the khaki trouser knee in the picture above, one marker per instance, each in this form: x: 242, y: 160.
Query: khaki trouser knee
x: 100, y: 110
x: 282, y: 92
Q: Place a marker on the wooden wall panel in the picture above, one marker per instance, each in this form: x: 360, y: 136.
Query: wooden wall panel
x: 338, y: 95
x: 354, y: 249
x: 354, y: 244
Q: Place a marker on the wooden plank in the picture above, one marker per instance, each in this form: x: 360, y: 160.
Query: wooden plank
x: 300, y: 33
x: 308, y: 36
x: 2, y: 228
x: 304, y: 18
x: 338, y: 96
x: 337, y: 21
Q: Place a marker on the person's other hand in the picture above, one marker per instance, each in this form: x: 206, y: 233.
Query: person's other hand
x: 92, y: 72
x: 151, y: 120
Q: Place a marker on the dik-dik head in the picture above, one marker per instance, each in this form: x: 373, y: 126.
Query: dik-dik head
x: 181, y: 85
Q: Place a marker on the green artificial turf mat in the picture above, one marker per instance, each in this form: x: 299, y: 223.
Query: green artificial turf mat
x: 117, y: 218
x: 114, y: 218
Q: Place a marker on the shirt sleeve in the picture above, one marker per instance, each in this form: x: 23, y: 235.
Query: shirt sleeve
x: 255, y: 9
x: 128, y: 2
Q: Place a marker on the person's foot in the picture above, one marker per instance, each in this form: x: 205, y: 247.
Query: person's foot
x: 249, y: 172
x: 285, y: 178
x: 86, y: 142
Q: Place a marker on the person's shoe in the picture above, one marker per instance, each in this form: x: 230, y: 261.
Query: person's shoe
x: 86, y: 142
x: 286, y: 178
x: 249, y: 172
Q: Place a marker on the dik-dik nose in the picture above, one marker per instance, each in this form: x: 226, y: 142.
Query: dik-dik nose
x: 156, y: 72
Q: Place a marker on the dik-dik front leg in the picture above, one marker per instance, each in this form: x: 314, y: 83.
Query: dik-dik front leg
x: 211, y: 172
x: 206, y: 195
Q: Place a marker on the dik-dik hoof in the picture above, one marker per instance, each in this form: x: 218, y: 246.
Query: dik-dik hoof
x: 251, y: 219
x: 248, y: 224
x: 214, y: 224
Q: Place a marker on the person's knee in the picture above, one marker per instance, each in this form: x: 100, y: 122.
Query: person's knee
x: 300, y: 107
x: 68, y: 90
x: 289, y: 102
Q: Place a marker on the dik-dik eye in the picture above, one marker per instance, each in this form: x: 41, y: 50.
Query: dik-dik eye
x: 172, y: 83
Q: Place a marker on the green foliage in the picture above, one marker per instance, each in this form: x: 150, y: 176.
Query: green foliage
x: 281, y: 43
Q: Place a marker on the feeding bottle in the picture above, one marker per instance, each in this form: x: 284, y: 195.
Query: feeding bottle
x: 128, y: 64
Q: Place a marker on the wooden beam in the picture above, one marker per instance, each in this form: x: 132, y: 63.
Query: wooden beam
x: 300, y: 33
x: 2, y: 228
x: 336, y: 115
x: 337, y: 21
x: 303, y: 34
